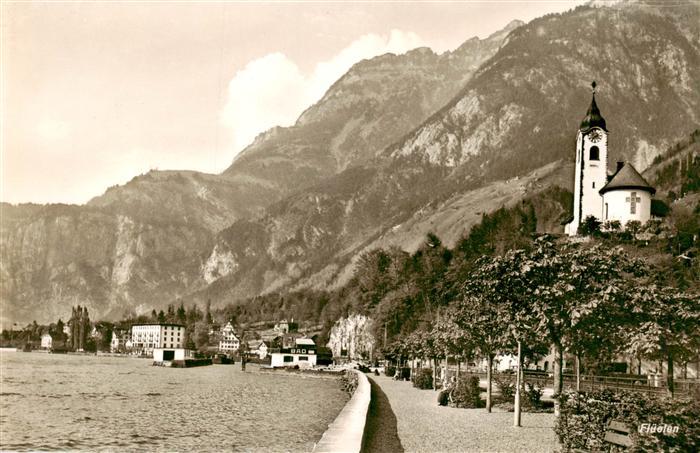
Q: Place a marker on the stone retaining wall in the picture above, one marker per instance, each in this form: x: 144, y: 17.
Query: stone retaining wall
x: 345, y: 433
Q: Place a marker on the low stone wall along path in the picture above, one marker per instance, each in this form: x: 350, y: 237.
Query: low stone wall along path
x: 423, y: 426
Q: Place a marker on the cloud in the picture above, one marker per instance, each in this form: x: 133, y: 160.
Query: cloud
x: 273, y: 91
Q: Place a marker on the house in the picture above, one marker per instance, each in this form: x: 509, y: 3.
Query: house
x: 147, y: 337
x: 259, y: 347
x: 301, y: 354
x: 120, y: 337
x: 621, y: 197
x: 46, y: 341
x: 229, y: 342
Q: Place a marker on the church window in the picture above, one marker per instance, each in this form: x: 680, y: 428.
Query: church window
x: 594, y: 184
x: 594, y: 153
x: 606, y: 211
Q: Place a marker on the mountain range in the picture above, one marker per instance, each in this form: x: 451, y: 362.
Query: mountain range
x: 400, y: 145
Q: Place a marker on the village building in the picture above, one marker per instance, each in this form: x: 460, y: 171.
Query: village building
x: 120, y: 338
x: 301, y: 354
x: 260, y: 348
x: 621, y: 197
x: 46, y: 341
x: 147, y: 337
x: 228, y: 342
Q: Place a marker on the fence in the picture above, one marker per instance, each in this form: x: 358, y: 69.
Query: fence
x: 650, y: 384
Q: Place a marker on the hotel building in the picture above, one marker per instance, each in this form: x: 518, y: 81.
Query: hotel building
x: 147, y: 337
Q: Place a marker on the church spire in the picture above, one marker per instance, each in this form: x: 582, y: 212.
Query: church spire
x: 593, y: 117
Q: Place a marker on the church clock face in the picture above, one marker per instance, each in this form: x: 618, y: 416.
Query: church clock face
x: 596, y: 136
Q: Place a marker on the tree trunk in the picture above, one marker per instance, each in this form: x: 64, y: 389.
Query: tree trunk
x: 516, y: 411
x: 435, y: 362
x: 558, y: 377
x: 669, y: 377
x: 639, y: 366
x: 578, y: 373
x: 459, y: 368
x: 488, y: 382
x: 445, y: 375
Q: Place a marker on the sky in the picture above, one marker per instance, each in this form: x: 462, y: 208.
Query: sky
x: 93, y: 94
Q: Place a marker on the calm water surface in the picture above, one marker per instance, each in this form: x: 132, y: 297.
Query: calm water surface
x: 55, y: 401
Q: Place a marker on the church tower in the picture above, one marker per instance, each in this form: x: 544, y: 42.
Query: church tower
x: 591, y: 167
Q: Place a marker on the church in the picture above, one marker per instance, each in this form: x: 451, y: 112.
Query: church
x: 623, y: 196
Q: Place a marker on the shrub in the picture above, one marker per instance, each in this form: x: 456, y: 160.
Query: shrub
x: 533, y: 396
x: 467, y: 393
x: 423, y: 379
x: 589, y: 227
x: 585, y: 417
x: 349, y: 382
x: 506, y: 386
x: 390, y: 371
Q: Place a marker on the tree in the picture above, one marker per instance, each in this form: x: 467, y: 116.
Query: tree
x: 454, y: 340
x: 207, y: 318
x: 181, y: 315
x: 568, y: 283
x: 589, y: 227
x: 667, y: 325
x: 480, y: 319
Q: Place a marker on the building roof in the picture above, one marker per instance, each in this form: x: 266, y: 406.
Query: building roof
x: 627, y: 178
x: 157, y: 324
x: 593, y: 117
x: 305, y: 341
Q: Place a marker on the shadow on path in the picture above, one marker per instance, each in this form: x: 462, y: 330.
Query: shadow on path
x: 381, y: 434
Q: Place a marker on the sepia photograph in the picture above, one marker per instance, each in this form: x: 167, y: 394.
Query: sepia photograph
x: 350, y: 226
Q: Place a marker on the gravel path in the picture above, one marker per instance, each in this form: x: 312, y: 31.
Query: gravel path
x: 423, y: 426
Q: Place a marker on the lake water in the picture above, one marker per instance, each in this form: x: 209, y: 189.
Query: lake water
x: 56, y: 401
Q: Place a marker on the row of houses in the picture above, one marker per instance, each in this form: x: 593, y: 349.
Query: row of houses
x: 142, y: 339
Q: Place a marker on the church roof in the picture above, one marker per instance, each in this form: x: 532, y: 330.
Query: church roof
x: 593, y: 117
x: 627, y: 178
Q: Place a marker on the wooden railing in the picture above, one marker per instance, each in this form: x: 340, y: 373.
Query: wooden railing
x: 650, y: 384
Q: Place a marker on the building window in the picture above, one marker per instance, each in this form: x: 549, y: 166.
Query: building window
x: 303, y: 358
x: 594, y: 184
x: 594, y: 153
x: 606, y: 211
x: 288, y: 358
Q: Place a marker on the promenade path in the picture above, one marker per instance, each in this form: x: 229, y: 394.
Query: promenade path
x: 423, y: 426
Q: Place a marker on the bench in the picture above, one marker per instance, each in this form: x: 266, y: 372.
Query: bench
x: 618, y: 434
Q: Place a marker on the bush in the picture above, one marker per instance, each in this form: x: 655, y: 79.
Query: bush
x: 467, y: 393
x: 506, y: 386
x: 423, y: 379
x: 349, y: 382
x: 390, y: 371
x: 585, y: 417
x: 533, y: 396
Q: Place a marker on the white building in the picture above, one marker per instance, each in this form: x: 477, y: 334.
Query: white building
x: 229, y: 342
x: 146, y: 337
x: 627, y: 197
x: 161, y: 355
x: 303, y: 354
x: 120, y: 338
x: 46, y: 341
x: 260, y: 348
x: 621, y: 197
